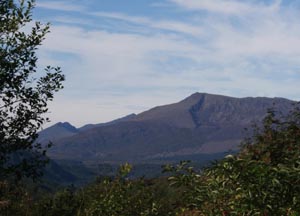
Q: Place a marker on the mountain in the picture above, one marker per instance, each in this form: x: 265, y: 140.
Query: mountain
x: 65, y: 129
x: 90, y: 126
x: 199, y: 125
x: 56, y: 132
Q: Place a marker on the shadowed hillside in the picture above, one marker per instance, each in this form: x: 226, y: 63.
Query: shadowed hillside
x: 200, y: 124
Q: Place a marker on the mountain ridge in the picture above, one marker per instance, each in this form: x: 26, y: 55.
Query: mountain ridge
x: 199, y: 124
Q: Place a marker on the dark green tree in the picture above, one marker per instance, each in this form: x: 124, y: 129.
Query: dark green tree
x: 24, y: 93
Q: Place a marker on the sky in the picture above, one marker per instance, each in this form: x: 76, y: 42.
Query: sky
x: 127, y: 56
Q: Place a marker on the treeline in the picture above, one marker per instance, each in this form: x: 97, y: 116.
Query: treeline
x: 263, y: 179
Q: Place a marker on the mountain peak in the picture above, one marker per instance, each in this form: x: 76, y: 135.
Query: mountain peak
x: 67, y: 125
x: 204, y: 94
x: 57, y: 131
x: 197, y: 96
x: 176, y: 114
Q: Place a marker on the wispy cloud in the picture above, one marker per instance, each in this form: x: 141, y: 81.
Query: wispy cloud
x: 169, y: 25
x: 60, y: 5
x: 73, y: 20
x: 231, y: 7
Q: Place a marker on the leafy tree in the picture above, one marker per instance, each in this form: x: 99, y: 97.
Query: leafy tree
x: 24, y: 94
x: 111, y: 196
x: 64, y: 202
x: 263, y: 179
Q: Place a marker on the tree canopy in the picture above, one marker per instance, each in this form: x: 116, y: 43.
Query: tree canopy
x: 24, y: 91
x: 262, y: 179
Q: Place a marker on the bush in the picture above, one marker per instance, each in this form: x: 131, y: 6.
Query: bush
x: 263, y: 179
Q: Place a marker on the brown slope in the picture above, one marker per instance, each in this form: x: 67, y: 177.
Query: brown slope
x: 177, y: 114
x: 57, y: 131
x: 125, y: 141
x: 201, y: 123
x: 201, y: 109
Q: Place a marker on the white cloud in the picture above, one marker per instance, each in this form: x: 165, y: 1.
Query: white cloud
x: 73, y: 20
x: 60, y: 5
x: 274, y: 39
x: 231, y: 7
x: 176, y: 26
x: 120, y: 16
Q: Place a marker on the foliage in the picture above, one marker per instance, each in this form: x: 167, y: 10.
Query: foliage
x: 15, y: 200
x: 23, y: 94
x: 263, y: 179
x: 121, y: 197
x: 64, y: 202
x: 117, y: 196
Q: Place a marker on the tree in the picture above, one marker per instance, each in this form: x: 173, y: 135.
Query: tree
x: 24, y: 93
x: 262, y: 179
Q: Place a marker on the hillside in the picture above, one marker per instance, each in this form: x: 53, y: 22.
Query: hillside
x: 200, y: 124
x: 56, y: 132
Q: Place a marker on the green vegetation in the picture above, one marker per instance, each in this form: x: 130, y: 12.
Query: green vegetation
x: 263, y: 179
x: 24, y: 94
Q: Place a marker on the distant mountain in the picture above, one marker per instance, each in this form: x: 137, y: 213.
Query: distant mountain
x: 65, y: 129
x: 200, y: 124
x: 56, y: 132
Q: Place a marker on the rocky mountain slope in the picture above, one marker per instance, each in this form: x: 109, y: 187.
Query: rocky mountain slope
x: 200, y: 124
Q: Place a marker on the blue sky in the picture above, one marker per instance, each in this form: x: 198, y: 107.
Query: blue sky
x: 126, y: 56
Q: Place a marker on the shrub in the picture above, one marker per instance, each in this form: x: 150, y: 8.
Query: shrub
x: 263, y: 179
